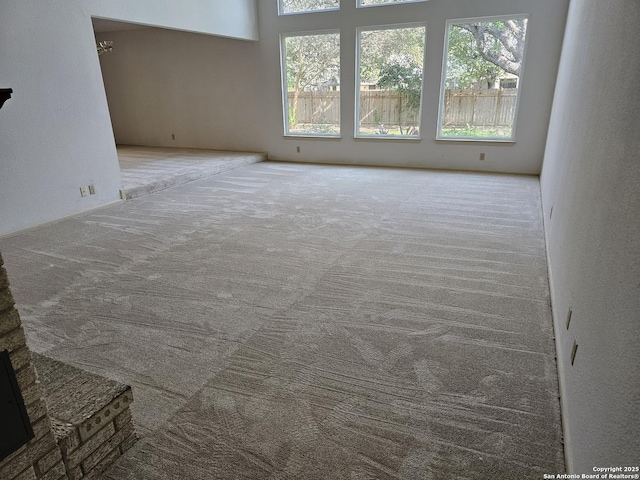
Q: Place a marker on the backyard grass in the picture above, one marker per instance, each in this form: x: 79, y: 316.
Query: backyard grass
x: 468, y: 131
x: 477, y: 131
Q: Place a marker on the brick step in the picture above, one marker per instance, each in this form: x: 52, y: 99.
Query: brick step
x: 90, y: 415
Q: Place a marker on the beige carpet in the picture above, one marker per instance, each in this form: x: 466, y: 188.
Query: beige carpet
x: 146, y: 170
x: 286, y: 321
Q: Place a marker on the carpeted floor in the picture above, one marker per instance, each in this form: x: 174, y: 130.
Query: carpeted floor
x: 286, y: 321
x: 147, y: 170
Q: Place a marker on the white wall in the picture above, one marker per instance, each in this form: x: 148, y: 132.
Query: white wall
x: 591, y: 179
x: 545, y: 38
x: 227, y: 18
x: 200, y: 88
x: 55, y: 133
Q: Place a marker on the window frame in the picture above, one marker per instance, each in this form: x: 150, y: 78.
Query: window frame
x: 356, y: 116
x: 359, y: 3
x: 443, y: 80
x: 284, y: 84
x: 281, y: 11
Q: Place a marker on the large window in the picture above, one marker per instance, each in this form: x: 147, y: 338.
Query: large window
x: 302, y: 6
x: 311, y: 84
x: 390, y: 65
x: 481, y: 79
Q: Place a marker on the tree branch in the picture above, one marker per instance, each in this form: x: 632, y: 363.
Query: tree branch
x: 512, y: 43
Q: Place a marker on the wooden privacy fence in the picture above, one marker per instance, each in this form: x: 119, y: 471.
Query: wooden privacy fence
x: 384, y: 107
x: 494, y: 107
x: 462, y: 107
x: 317, y: 107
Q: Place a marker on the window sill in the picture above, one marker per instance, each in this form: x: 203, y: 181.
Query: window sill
x: 391, y: 3
x: 312, y: 137
x: 476, y: 140
x: 304, y: 12
x: 393, y: 138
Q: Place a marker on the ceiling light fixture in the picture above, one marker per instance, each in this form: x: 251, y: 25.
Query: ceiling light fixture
x: 105, y: 46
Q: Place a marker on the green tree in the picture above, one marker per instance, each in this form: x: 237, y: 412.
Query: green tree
x: 465, y: 66
x: 394, y: 45
x: 481, y: 52
x: 289, y: 6
x: 407, y: 80
x: 500, y: 42
x: 392, y: 59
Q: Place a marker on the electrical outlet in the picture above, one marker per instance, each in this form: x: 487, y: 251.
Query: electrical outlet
x: 92, y: 190
x: 298, y: 149
x: 482, y: 155
x: 173, y: 136
x: 569, y: 318
x: 574, y: 350
x: 83, y: 192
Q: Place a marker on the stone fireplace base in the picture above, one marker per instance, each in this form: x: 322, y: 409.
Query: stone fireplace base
x: 90, y: 416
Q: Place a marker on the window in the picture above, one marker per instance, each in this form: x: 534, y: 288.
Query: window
x: 311, y: 84
x: 480, y: 85
x: 301, y: 6
x: 371, y: 3
x: 390, y: 64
